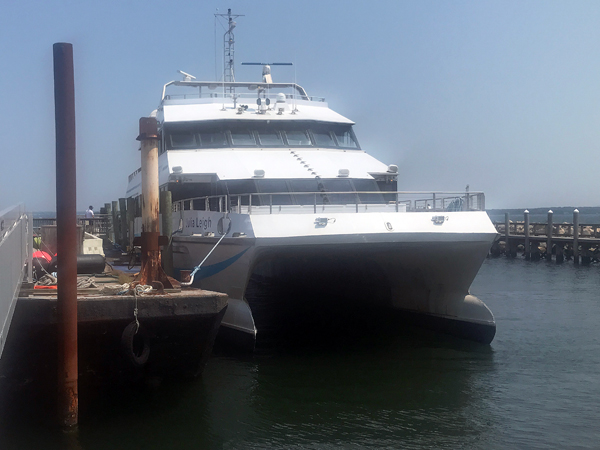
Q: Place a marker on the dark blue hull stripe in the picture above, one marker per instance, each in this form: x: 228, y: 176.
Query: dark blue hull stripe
x: 213, y: 269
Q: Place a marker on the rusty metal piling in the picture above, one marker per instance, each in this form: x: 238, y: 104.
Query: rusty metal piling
x: 151, y: 269
x: 66, y: 224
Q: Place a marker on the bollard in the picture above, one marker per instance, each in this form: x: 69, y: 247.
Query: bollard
x: 66, y: 232
x: 549, y: 231
x: 526, y: 230
x: 576, y: 237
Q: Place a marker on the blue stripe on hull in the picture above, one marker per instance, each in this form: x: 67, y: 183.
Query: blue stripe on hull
x: 213, y: 269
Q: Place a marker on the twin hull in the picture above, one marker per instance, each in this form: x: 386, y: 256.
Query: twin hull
x: 419, y: 263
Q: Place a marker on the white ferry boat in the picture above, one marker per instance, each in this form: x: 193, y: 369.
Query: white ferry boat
x: 273, y: 186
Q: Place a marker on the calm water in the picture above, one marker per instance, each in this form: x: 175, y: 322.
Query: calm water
x: 537, y: 386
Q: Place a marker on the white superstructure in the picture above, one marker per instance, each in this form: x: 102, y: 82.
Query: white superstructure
x: 303, y: 206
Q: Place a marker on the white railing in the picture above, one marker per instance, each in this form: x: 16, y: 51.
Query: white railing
x: 317, y: 202
x: 241, y: 96
x: 15, y: 250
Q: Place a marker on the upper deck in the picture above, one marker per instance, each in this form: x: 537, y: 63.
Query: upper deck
x: 188, y: 101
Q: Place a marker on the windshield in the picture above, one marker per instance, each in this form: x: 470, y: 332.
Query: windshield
x: 185, y: 136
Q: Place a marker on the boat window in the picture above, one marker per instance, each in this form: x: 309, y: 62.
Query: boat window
x: 278, y: 186
x: 337, y: 185
x: 243, y: 188
x: 182, y: 139
x: 270, y: 137
x: 213, y: 139
x: 242, y: 137
x: 297, y: 137
x: 345, y: 138
x: 323, y: 138
x: 298, y: 186
x: 367, y: 186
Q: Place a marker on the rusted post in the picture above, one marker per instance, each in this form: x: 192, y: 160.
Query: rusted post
x: 576, y: 237
x: 166, y: 209
x: 151, y: 269
x: 66, y: 224
x: 526, y: 231
x: 506, y: 234
x: 549, y: 231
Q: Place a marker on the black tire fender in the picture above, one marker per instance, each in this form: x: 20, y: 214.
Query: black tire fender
x: 135, y: 344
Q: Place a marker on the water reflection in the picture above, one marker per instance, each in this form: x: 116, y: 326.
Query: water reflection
x: 376, y: 392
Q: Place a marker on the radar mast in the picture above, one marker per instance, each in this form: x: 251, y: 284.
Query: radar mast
x: 229, y: 47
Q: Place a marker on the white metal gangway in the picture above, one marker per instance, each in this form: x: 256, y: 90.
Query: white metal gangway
x: 16, y: 248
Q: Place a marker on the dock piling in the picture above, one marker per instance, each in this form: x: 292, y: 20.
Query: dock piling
x: 506, y: 233
x: 124, y: 242
x: 151, y: 269
x: 130, y: 221
x: 66, y: 224
x: 549, y: 231
x: 527, y: 242
x: 115, y: 222
x: 166, y: 209
x: 576, y: 236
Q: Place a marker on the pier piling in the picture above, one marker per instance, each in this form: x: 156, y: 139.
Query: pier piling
x: 115, y: 222
x: 527, y: 242
x: 549, y: 231
x: 576, y: 237
x: 166, y: 209
x: 151, y: 269
x: 66, y: 223
x: 124, y: 242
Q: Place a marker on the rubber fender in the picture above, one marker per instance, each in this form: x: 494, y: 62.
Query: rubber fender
x: 135, y: 346
x: 86, y: 264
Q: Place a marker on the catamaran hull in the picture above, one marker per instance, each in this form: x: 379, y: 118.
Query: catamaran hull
x: 426, y: 276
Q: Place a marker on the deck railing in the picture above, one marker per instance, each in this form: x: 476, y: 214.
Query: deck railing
x: 16, y: 248
x: 99, y: 225
x: 317, y: 202
x: 240, y: 97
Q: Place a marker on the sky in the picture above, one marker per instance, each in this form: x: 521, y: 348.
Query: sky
x: 501, y: 95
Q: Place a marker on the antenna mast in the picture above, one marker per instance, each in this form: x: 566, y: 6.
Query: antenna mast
x: 229, y: 47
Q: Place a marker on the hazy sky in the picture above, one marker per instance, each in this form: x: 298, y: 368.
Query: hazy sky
x: 503, y: 96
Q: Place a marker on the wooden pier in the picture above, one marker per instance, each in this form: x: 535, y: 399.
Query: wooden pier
x: 551, y: 241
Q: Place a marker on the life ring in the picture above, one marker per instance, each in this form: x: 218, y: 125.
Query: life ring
x: 135, y: 345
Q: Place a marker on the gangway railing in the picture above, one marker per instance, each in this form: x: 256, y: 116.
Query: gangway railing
x: 317, y: 202
x: 16, y: 249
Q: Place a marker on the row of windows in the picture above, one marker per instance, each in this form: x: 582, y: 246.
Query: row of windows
x: 289, y: 191
x: 178, y: 139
